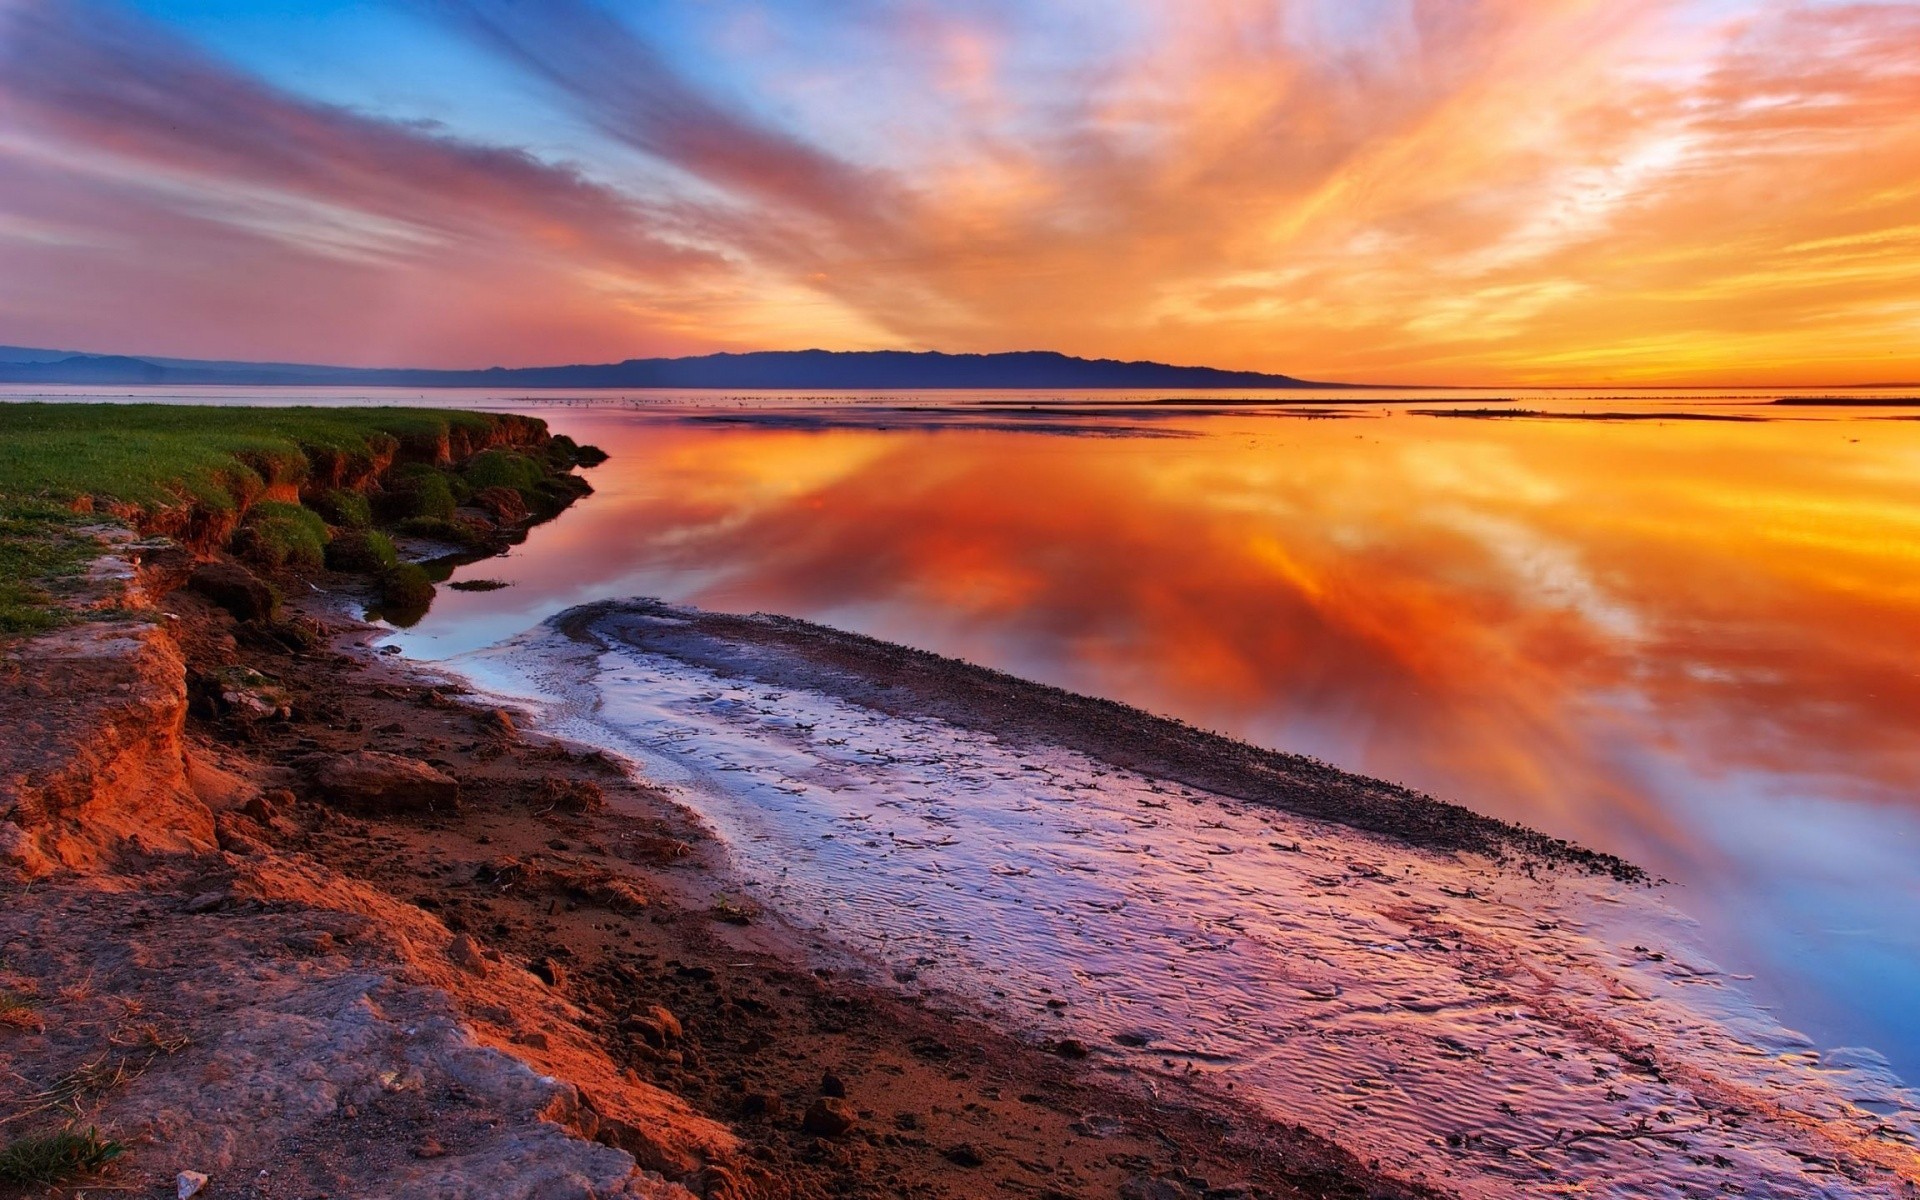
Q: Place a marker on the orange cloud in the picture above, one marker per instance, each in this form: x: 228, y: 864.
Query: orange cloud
x: 1490, y: 191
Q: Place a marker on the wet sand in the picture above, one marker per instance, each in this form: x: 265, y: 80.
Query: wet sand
x: 1471, y: 1005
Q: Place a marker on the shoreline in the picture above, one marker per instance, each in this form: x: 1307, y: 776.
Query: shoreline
x: 1594, y: 985
x: 568, y: 999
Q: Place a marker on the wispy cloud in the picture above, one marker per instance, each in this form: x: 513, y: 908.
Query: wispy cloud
x: 1497, y: 189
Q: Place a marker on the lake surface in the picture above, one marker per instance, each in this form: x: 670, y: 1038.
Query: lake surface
x: 1693, y: 642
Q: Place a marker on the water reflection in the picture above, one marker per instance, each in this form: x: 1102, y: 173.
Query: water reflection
x: 1696, y: 644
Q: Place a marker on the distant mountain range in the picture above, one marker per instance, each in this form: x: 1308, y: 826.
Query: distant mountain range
x: 771, y: 369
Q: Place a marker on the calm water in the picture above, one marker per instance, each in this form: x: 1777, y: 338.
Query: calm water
x: 1695, y: 643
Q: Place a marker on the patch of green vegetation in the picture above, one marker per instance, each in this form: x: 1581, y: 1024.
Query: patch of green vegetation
x: 350, y: 510
x: 60, y: 463
x: 419, y: 490
x: 405, y: 593
x: 279, y: 535
x: 159, y: 454
x: 441, y: 529
x: 40, y: 550
x: 363, y: 551
x: 47, y: 1160
x: 504, y: 468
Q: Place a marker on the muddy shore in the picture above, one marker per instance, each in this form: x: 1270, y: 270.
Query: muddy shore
x: 563, y: 915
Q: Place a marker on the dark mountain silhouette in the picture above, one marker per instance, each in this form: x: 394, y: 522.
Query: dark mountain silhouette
x: 771, y: 369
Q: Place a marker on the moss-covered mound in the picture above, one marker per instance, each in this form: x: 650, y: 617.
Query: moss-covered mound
x: 285, y: 488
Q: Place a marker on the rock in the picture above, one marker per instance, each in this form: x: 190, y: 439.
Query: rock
x: 1071, y: 1048
x: 237, y: 835
x: 245, y: 693
x: 311, y: 941
x: 429, y: 1147
x: 656, y: 1027
x: 503, y: 504
x: 498, y: 722
x: 261, y: 809
x: 548, y: 971
x: 386, y: 782
x: 832, y: 1085
x: 465, y: 953
x: 187, y: 1184
x: 207, y: 902
x: 1146, y: 1187
x: 236, y: 589
x: 669, y: 1024
x: 964, y: 1155
x: 828, y: 1116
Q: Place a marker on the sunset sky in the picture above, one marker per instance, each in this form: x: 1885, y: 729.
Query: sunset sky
x: 1447, y: 191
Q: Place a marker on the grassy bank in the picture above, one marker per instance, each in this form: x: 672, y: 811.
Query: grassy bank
x: 282, y: 486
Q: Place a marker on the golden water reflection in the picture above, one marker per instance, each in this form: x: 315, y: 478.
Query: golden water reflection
x: 1696, y: 644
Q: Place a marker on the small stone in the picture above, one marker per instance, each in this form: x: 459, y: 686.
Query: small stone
x: 832, y: 1085
x: 1071, y: 1048
x: 188, y: 1184
x: 207, y: 902
x: 429, y: 1147
x: 828, y: 1117
x: 549, y: 972
x: 964, y: 1155
x: 386, y: 782
x: 311, y: 942
x: 656, y: 1027
x: 260, y: 809
x: 466, y: 954
x: 498, y: 722
x: 1146, y: 1187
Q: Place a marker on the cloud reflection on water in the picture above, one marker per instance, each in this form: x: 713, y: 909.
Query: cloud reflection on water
x: 1691, y: 644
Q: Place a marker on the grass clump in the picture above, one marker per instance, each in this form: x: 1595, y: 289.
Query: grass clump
x: 441, y: 529
x: 504, y: 468
x: 283, y: 535
x: 362, y: 551
x: 350, y: 510
x: 419, y: 491
x: 406, y: 591
x: 47, y: 1160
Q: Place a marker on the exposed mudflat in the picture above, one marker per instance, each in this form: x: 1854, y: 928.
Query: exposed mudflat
x: 1462, y: 1002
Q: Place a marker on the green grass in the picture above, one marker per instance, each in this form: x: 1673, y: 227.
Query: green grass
x: 41, y: 549
x: 45, y: 1160
x: 366, y: 551
x: 157, y: 454
x: 65, y: 467
x: 504, y: 468
x: 351, y: 510
x: 283, y: 535
x: 60, y: 463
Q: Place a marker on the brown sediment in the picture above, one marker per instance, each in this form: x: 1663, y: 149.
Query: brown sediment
x: 545, y: 988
